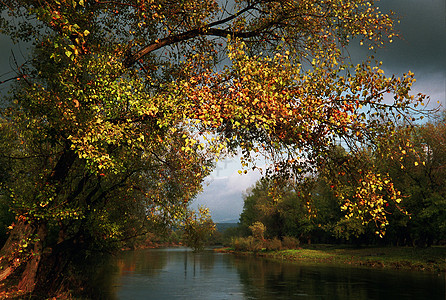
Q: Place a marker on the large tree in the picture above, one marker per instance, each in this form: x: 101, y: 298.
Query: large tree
x: 121, y: 102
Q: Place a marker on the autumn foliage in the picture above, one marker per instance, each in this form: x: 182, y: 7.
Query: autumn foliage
x: 123, y: 106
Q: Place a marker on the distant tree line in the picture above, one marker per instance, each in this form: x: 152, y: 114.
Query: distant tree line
x: 309, y: 209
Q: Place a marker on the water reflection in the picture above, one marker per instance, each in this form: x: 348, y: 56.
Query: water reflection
x: 177, y: 274
x: 263, y: 279
x: 182, y: 274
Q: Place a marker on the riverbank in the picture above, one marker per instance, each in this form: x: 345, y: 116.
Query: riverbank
x: 432, y: 259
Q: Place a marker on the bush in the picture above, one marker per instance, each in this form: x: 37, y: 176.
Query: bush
x: 247, y: 244
x: 289, y: 242
x: 273, y: 244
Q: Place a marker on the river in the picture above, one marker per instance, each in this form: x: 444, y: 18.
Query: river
x: 181, y: 274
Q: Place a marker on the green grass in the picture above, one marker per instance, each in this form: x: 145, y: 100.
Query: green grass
x: 408, y: 258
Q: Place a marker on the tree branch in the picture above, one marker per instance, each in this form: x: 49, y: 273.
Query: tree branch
x: 202, y: 31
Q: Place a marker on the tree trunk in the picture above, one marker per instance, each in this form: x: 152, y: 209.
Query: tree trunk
x: 35, y: 270
x: 11, y: 257
x: 21, y: 255
x: 29, y: 276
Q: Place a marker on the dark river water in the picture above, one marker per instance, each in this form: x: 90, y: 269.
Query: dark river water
x: 182, y: 274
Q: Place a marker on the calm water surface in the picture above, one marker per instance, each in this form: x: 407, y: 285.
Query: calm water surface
x: 182, y: 274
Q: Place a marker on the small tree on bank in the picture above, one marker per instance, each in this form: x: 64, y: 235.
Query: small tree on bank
x: 198, y: 228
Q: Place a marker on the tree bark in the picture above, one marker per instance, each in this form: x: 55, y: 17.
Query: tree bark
x: 38, y: 270
x: 22, y: 256
x: 10, y: 257
x: 30, y: 274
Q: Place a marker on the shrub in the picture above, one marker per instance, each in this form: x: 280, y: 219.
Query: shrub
x: 289, y: 242
x: 273, y: 244
x: 247, y: 244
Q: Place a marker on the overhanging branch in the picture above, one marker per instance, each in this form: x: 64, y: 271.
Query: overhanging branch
x: 202, y: 31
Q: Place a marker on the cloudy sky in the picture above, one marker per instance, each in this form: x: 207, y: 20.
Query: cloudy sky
x: 421, y: 49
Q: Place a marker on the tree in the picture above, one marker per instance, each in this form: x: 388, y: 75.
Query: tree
x: 117, y: 92
x: 198, y: 228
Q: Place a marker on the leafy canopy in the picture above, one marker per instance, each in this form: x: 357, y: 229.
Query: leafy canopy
x: 116, y: 89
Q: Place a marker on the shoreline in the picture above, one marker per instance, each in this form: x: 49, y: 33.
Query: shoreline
x: 431, y: 259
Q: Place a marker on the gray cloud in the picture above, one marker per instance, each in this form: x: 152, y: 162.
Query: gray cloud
x: 421, y: 47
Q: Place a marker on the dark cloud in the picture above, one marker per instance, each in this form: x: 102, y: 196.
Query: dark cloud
x: 423, y: 35
x: 421, y: 47
x: 12, y: 56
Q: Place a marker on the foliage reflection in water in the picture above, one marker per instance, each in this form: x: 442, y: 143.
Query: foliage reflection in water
x: 182, y: 274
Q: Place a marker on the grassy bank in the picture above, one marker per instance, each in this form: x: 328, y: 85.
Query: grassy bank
x: 408, y: 258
